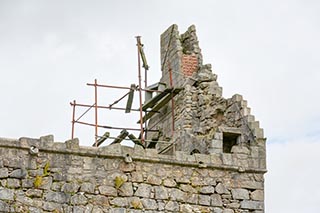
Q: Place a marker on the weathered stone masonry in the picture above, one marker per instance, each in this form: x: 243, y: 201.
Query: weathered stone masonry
x: 217, y: 165
x: 63, y: 177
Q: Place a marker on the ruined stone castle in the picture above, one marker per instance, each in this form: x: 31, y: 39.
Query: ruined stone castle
x: 207, y: 155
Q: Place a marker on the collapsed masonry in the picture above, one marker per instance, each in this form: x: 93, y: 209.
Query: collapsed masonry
x: 204, y: 121
x: 214, y: 160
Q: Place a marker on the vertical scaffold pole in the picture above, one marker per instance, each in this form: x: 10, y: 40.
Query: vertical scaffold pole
x: 96, y: 109
x: 140, y: 93
x: 73, y: 117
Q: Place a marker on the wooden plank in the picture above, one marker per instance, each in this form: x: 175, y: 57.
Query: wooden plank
x: 160, y: 104
x: 155, y: 99
x: 123, y: 135
x: 135, y: 140
x: 130, y: 98
x: 102, y: 139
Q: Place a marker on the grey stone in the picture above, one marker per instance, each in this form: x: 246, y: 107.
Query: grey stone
x: 56, y: 186
x: 177, y: 194
x: 252, y: 205
x: 187, y: 188
x: 35, y: 210
x: 24, y: 200
x: 100, y: 200
x: 108, y: 190
x: 257, y: 195
x: 50, y: 206
x: 207, y: 190
x: 87, y: 187
x: 118, y: 210
x: 70, y: 188
x: 192, y: 198
x: 46, y: 183
x: 34, y: 193
x: 18, y: 173
x: 78, y: 200
x: 154, y: 180
x: 217, y: 210
x: 169, y: 182
x: 216, y: 200
x: 4, y: 172
x: 13, y: 183
x: 119, y: 202
x: 57, y: 197
x: 204, y: 200
x: 6, y: 194
x: 161, y: 193
x: 126, y: 189
x: 221, y: 189
x: 186, y: 208
x: 149, y: 204
x: 172, y: 206
x: 136, y: 177
x: 135, y: 203
x: 240, y: 194
x: 27, y: 183
x: 228, y: 211
x: 144, y: 190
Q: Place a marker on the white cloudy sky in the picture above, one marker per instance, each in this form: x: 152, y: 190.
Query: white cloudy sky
x: 268, y: 51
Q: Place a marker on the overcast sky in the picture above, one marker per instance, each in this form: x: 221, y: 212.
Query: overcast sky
x: 268, y: 51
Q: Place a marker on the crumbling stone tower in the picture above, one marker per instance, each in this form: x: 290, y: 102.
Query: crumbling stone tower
x: 204, y: 121
x: 208, y: 156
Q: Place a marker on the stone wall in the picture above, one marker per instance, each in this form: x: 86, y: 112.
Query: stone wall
x: 39, y: 175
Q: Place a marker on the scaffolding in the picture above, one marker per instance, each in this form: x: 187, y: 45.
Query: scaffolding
x: 146, y: 111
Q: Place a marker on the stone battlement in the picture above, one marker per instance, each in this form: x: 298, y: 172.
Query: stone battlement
x: 39, y: 175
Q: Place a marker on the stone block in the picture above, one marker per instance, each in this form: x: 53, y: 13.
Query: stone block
x: 161, y: 193
x: 57, y: 197
x: 257, y: 195
x: 144, y: 190
x: 4, y: 172
x: 18, y: 173
x: 108, y: 190
x: 168, y: 182
x: 188, y: 188
x: 216, y: 158
x: 207, y: 190
x: 202, y: 158
x: 126, y: 189
x: 240, y: 149
x: 154, y: 180
x: 87, y: 188
x: 227, y: 159
x: 34, y: 193
x: 237, y: 98
x: 78, y: 199
x: 204, y: 200
x: 149, y: 204
x: 216, y: 200
x: 240, y: 194
x: 221, y: 189
x: 172, y: 206
x: 192, y: 198
x: 216, y: 143
x: 119, y: 202
x: 13, y: 183
x: 6, y: 194
x: 251, y: 205
x: 258, y: 133
x: 251, y: 184
x: 72, y: 144
x: 177, y: 194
